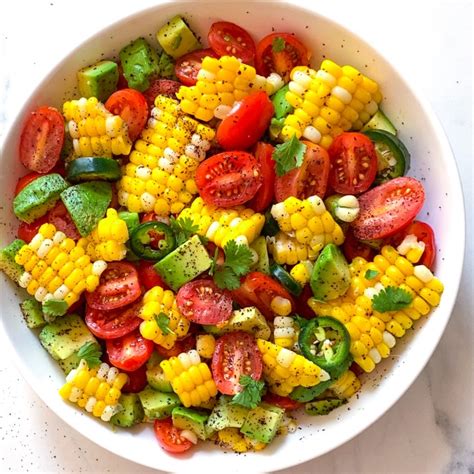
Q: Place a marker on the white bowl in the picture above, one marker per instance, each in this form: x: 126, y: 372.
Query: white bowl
x: 432, y: 161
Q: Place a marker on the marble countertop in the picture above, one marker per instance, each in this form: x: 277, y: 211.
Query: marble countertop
x: 430, y: 430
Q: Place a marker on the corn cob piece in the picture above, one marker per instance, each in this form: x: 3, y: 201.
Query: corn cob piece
x: 160, y: 174
x: 107, y: 241
x: 284, y: 369
x: 346, y: 385
x: 232, y: 438
x: 328, y: 102
x: 96, y: 390
x: 190, y: 378
x: 55, y: 267
x: 157, y: 301
x: 285, y: 331
x: 286, y: 250
x: 205, y: 345
x: 94, y: 130
x: 222, y: 225
x: 220, y: 83
x: 301, y: 272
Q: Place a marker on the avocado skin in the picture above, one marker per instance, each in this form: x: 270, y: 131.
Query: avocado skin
x: 132, y: 411
x: 31, y: 310
x: 99, y: 80
x: 7, y: 260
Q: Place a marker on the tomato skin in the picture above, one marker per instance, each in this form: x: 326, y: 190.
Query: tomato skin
x: 283, y: 402
x: 62, y: 220
x: 132, y: 106
x: 224, y: 37
x: 129, y: 352
x: 236, y: 354
x: 188, y: 66
x: 229, y: 178
x: 302, y: 308
x: 137, y: 380
x: 246, y: 123
x: 169, y: 437
x: 202, y: 302
x: 25, y: 180
x: 353, y: 248
x: 148, y: 276
x: 258, y: 289
x: 263, y: 153
x: 42, y: 139
x: 160, y: 86
x: 282, y: 62
x: 352, y: 155
x: 118, y: 287
x: 387, y: 208
x: 310, y: 179
x: 26, y: 231
x: 181, y: 345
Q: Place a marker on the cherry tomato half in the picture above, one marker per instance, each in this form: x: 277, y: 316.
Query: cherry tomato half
x: 310, y: 179
x: 263, y: 154
x: 236, y: 354
x: 137, y: 380
x: 229, y: 39
x: 148, y: 276
x: 246, y: 122
x: 62, y: 220
x: 258, y: 289
x: 181, y: 345
x: 202, y: 302
x: 283, y: 402
x: 386, y: 209
x: 119, y: 286
x: 169, y: 437
x: 42, y: 139
x: 114, y: 323
x: 160, y: 86
x: 129, y: 352
x: 132, y: 106
x: 26, y: 231
x: 280, y: 53
x: 228, y: 179
x: 353, y: 248
x: 188, y: 66
x: 302, y: 308
x: 353, y: 163
x: 25, y: 180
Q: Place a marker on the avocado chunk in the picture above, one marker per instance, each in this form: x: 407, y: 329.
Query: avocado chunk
x: 281, y: 106
x: 248, y: 319
x: 155, y: 375
x: 73, y: 360
x: 226, y: 415
x: 87, y: 204
x: 98, y: 80
x: 139, y: 62
x: 323, y: 407
x: 262, y: 423
x: 131, y: 413
x: 158, y: 405
x: 166, y: 64
x: 189, y: 419
x: 330, y: 277
x: 131, y: 219
x: 38, y: 197
x: 7, y: 260
x: 263, y: 262
x: 306, y: 394
x: 31, y: 310
x: 381, y: 122
x: 184, y: 263
x: 65, y: 336
x: 176, y: 38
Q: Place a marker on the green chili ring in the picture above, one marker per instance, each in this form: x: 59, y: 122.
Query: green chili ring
x: 152, y: 240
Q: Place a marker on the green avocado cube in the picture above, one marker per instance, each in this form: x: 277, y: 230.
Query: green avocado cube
x: 98, y: 80
x: 192, y: 420
x: 176, y: 38
x: 31, y: 310
x: 131, y: 413
x: 226, y: 415
x: 262, y: 423
x: 7, y: 260
x: 158, y: 405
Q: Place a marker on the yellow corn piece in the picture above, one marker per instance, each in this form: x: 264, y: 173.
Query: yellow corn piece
x: 346, y: 385
x: 205, y: 345
x: 301, y: 272
x: 232, y: 438
x: 285, y: 331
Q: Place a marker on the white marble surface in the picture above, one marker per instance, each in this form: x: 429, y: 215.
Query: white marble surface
x: 431, y: 428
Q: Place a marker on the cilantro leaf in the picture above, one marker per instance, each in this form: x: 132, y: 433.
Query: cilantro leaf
x: 251, y: 393
x: 288, y: 155
x: 163, y: 323
x: 391, y: 299
x: 183, y: 229
x: 370, y: 274
x: 238, y: 257
x: 53, y: 308
x: 91, y: 353
x: 225, y: 278
x: 278, y: 44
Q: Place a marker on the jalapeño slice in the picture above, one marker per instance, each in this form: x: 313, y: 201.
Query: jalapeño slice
x: 152, y: 240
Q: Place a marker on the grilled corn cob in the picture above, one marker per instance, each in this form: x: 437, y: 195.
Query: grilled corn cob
x: 94, y: 130
x: 190, y: 378
x: 160, y: 174
x: 284, y: 369
x: 346, y: 385
x: 285, y: 331
x: 107, y: 240
x: 55, y: 267
x: 287, y: 250
x: 222, y: 225
x: 95, y: 390
x: 220, y: 83
x: 156, y: 302
x: 329, y: 101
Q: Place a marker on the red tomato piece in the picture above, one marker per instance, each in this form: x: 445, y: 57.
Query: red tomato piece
x: 25, y: 180
x: 246, y: 123
x: 202, y: 302
x: 129, y: 352
x: 387, y: 208
x: 353, y: 248
x: 122, y: 82
x: 229, y: 39
x: 114, y: 323
x: 119, y: 286
x: 283, y: 402
x: 258, y: 289
x: 137, y: 380
x: 169, y: 437
x: 62, y: 220
x: 132, y: 106
x: 26, y: 231
x: 181, y: 345
x: 310, y: 179
x: 353, y: 163
x: 229, y: 178
x: 188, y: 66
x: 160, y: 86
x: 301, y: 303
x: 236, y: 354
x: 280, y: 53
x: 148, y: 276
x: 263, y: 154
x: 151, y: 216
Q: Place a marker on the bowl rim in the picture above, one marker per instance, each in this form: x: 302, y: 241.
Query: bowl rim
x: 45, y: 394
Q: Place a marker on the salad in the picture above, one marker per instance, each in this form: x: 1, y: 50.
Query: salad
x: 213, y: 237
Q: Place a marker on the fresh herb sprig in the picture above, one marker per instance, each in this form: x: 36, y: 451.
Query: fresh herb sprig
x: 251, y: 394
x: 288, y: 155
x: 391, y: 299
